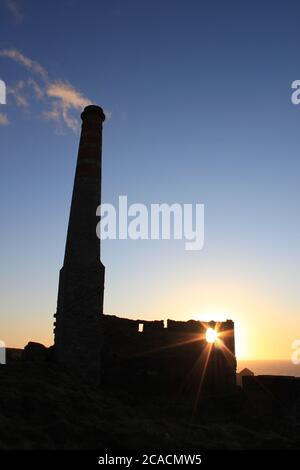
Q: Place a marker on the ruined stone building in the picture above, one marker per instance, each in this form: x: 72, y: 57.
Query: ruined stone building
x: 128, y: 353
x: 171, y: 356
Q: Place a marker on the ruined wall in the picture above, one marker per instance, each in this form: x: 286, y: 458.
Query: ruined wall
x: 163, y: 358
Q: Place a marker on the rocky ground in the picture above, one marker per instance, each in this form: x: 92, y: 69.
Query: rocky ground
x: 42, y: 407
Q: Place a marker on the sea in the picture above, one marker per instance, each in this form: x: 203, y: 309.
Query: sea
x: 270, y: 367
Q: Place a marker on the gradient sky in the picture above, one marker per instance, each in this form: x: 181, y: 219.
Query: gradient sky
x: 198, y: 95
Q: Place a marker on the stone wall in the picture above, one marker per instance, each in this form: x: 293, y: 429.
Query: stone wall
x: 167, y: 357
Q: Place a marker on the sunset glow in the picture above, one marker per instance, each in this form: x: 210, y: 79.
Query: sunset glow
x: 248, y: 269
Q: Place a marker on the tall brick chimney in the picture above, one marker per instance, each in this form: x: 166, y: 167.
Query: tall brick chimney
x: 81, y: 281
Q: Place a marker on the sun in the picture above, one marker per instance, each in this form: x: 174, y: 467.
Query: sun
x: 211, y: 335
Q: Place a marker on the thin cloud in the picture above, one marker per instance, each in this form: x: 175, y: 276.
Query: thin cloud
x: 38, y: 90
x: 3, y: 120
x: 68, y: 94
x: 15, y: 10
x: 59, y: 97
x: 66, y: 98
x: 28, y: 63
x: 17, y: 91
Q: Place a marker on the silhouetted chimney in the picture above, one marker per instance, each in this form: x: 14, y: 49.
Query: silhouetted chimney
x: 81, y: 281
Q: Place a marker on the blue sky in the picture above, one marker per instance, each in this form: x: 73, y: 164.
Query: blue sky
x: 198, y: 95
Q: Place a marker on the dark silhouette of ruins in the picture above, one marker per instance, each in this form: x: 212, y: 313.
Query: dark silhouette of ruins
x: 128, y: 353
x: 170, y: 357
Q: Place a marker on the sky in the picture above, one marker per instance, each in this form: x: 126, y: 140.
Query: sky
x: 198, y: 102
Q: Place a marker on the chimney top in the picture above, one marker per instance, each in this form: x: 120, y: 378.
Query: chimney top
x: 93, y: 111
